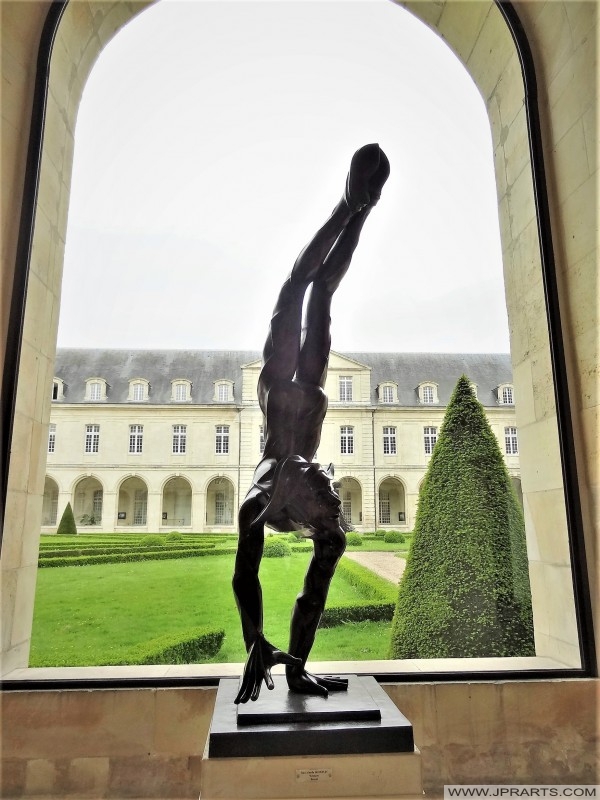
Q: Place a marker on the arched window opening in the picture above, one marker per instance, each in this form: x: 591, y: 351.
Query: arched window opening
x: 220, y: 497
x: 392, y: 503
x: 133, y: 503
x: 522, y: 285
x: 350, y: 492
x: 50, y: 502
x: 88, y: 500
x: 177, y: 504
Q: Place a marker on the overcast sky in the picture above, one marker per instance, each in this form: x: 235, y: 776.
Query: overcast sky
x: 214, y: 139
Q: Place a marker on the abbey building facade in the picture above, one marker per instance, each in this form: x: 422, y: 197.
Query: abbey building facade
x: 168, y: 440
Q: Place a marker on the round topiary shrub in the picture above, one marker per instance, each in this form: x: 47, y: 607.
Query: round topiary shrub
x: 276, y: 547
x: 151, y: 540
x: 394, y: 537
x: 380, y: 534
x: 354, y: 539
x: 174, y: 536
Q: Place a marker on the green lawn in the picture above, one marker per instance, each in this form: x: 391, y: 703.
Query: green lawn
x: 92, y: 615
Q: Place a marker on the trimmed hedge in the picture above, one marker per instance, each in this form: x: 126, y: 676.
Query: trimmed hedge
x: 131, y: 556
x: 371, y: 586
x: 394, y: 537
x: 151, y: 540
x: 177, y: 648
x: 354, y: 539
x: 357, y: 612
x: 117, y: 550
x: 276, y: 547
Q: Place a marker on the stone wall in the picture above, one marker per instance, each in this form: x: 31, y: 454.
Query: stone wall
x: 149, y: 742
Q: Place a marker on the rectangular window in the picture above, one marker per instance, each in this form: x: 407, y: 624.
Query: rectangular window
x: 220, y: 508
x: 181, y: 392
x: 223, y: 393
x: 345, y: 389
x: 385, y: 514
x: 507, y: 396
x: 510, y: 441
x: 95, y: 390
x: 389, y: 441
x: 140, y: 505
x: 261, y: 439
x: 428, y: 394
x: 136, y: 438
x: 179, y: 438
x: 51, y: 438
x: 346, y: 440
x: 80, y: 503
x: 430, y: 438
x: 92, y: 438
x: 387, y: 394
x: 97, y: 504
x: 222, y: 440
x: 347, y: 506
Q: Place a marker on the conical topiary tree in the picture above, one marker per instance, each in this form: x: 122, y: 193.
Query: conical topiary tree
x: 465, y: 591
x: 67, y: 525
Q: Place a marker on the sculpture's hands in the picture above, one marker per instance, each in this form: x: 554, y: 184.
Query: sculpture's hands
x: 302, y: 682
x: 261, y: 657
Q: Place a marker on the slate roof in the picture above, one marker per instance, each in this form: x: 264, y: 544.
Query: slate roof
x: 159, y: 367
x: 203, y: 367
x: 408, y: 370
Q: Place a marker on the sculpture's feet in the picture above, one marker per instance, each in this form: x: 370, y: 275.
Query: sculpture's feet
x: 378, y: 178
x: 261, y: 657
x: 302, y: 682
x: 363, y: 168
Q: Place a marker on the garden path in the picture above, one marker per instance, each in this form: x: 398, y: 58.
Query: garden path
x: 387, y: 565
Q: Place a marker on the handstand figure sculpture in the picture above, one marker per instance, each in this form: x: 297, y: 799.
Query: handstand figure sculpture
x: 289, y: 491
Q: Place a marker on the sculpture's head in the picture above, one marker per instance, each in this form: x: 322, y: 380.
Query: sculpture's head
x: 303, y: 493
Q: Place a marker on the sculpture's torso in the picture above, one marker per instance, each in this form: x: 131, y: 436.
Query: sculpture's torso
x: 294, y: 413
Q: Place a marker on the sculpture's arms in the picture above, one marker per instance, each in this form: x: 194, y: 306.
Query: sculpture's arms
x: 248, y: 595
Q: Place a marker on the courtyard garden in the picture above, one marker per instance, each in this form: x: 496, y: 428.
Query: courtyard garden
x: 128, y: 598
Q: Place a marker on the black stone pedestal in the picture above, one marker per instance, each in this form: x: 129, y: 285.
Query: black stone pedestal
x: 280, y: 723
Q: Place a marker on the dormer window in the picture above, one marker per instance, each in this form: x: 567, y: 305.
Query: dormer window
x: 224, y: 391
x: 95, y: 389
x: 428, y: 394
x: 58, y: 389
x: 138, y: 390
x: 474, y: 389
x: 506, y: 395
x: 181, y: 391
x: 387, y: 392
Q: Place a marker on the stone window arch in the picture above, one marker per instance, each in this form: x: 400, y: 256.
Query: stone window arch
x: 428, y: 393
x: 95, y: 390
x: 181, y: 390
x: 484, y: 36
x: 139, y: 390
x: 223, y: 391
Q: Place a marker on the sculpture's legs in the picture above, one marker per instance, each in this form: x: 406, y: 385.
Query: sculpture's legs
x: 316, y: 340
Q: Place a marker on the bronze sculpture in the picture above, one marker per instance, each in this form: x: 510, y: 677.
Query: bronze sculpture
x: 289, y: 491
